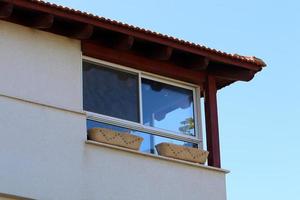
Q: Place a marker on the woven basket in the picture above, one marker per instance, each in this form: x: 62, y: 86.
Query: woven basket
x: 109, y: 136
x: 182, y: 152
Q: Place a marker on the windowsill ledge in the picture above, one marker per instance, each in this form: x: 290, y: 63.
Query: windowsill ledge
x: 156, y: 156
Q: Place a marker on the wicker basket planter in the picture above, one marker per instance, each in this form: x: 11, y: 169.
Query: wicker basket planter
x: 182, y: 152
x: 109, y: 136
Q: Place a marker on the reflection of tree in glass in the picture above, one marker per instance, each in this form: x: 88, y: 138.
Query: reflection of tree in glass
x: 187, y: 126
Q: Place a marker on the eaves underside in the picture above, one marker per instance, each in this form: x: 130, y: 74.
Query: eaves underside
x: 122, y: 37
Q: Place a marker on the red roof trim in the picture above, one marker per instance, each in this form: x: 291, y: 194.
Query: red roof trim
x: 234, y: 59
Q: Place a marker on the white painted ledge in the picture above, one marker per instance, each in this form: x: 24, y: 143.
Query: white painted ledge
x: 157, y: 156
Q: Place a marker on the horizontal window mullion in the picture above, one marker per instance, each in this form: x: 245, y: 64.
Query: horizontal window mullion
x: 140, y: 127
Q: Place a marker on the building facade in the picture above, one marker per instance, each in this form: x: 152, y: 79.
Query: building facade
x: 52, y: 92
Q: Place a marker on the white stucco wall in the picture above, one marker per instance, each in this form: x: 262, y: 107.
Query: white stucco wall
x: 40, y: 66
x: 43, y: 154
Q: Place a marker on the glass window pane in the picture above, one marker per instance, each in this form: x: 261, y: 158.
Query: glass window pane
x: 110, y: 92
x: 168, y: 107
x: 148, y: 145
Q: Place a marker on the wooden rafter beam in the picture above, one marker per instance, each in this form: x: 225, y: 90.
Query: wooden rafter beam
x: 152, y: 50
x: 112, y: 39
x: 82, y: 32
x: 133, y: 60
x: 42, y: 21
x: 161, y: 52
x: 6, y: 10
x: 190, y: 61
x: 231, y: 74
x: 198, y: 63
x: 122, y: 42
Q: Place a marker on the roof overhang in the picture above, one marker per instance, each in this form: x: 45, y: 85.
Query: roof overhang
x: 131, y: 46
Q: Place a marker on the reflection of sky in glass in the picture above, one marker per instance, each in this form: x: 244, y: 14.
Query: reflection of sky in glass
x: 168, y: 107
x: 148, y: 145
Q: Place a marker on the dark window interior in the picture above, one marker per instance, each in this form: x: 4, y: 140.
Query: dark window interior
x: 110, y: 92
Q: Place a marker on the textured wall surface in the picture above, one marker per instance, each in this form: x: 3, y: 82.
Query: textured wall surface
x: 43, y: 154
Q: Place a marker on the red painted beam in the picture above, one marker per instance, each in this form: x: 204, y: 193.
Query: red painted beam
x: 211, y: 119
x: 226, y: 72
x: 197, y: 63
x: 82, y: 32
x: 6, y: 10
x: 141, y: 34
x: 123, y: 42
x: 161, y: 53
x: 42, y: 21
x: 130, y: 59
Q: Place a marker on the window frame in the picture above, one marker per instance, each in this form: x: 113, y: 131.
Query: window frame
x: 139, y: 126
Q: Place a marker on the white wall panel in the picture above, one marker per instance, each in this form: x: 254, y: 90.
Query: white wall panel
x: 40, y: 66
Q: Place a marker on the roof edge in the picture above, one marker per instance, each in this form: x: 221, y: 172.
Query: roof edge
x: 235, y: 59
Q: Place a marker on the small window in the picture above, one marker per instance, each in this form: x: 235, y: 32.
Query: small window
x: 156, y: 108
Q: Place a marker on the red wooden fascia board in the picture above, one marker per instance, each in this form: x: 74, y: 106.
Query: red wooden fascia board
x: 251, y: 63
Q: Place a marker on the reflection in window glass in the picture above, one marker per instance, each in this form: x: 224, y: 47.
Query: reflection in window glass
x: 110, y: 92
x: 148, y: 145
x: 168, y: 107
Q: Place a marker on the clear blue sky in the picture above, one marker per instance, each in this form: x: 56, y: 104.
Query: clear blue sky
x: 260, y: 137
